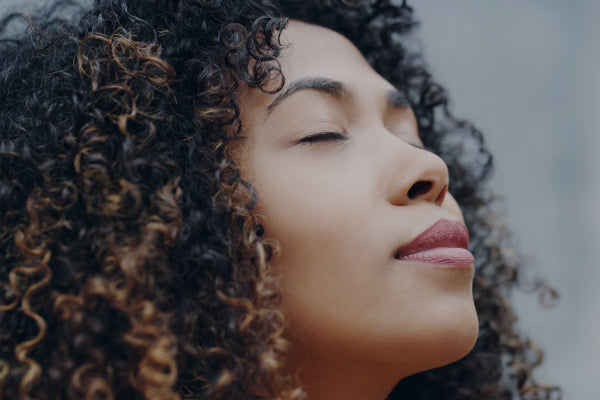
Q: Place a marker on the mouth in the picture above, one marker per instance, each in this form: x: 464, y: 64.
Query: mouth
x: 444, y: 243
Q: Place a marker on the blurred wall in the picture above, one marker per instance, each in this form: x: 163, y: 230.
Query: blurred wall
x: 528, y: 74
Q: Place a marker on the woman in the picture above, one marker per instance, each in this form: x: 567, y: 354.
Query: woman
x: 208, y: 200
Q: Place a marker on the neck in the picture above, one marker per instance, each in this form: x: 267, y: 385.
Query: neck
x: 331, y: 378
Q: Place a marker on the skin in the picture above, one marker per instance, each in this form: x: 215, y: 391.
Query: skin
x: 340, y: 206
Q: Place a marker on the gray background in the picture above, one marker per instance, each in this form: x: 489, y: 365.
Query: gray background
x: 527, y: 73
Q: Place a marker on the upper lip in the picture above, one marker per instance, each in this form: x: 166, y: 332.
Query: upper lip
x: 444, y: 233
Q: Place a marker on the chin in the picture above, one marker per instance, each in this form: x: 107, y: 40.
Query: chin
x: 454, y: 338
x: 448, y: 334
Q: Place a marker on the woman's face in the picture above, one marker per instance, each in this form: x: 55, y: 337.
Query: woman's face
x: 343, y: 183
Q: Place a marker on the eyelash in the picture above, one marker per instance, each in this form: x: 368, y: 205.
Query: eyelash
x: 332, y: 136
x: 322, y: 137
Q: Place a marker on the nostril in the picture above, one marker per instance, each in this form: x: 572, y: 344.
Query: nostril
x: 419, y: 188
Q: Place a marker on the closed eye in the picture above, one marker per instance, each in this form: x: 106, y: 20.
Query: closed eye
x: 322, y: 137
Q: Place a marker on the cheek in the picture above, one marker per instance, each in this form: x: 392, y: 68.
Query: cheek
x: 309, y: 199
x: 328, y: 237
x: 312, y: 214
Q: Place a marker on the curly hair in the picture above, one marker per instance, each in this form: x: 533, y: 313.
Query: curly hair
x: 131, y: 263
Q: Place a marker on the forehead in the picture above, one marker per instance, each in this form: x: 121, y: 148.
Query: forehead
x: 315, y: 50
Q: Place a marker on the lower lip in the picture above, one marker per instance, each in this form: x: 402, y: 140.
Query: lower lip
x: 451, y: 256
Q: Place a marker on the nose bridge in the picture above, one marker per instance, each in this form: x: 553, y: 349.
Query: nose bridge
x: 416, y: 175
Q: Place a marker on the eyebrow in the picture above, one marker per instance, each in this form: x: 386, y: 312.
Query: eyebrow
x: 324, y: 85
x: 395, y: 98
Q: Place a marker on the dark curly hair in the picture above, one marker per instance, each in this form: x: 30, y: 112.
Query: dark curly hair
x: 131, y: 263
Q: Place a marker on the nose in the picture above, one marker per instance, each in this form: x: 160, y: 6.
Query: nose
x: 419, y: 175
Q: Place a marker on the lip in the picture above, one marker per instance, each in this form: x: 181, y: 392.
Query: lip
x: 444, y: 243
